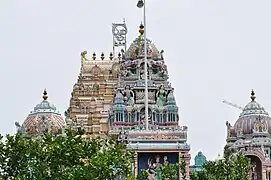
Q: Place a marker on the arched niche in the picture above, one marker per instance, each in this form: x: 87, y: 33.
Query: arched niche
x: 256, y: 167
x: 95, y: 71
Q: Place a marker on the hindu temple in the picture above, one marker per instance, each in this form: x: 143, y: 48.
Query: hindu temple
x: 250, y: 134
x: 109, y: 98
x: 164, y: 140
x: 44, y: 118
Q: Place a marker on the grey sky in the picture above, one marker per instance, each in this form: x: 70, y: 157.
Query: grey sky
x: 214, y: 49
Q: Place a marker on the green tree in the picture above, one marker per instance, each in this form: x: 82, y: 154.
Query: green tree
x: 183, y: 168
x: 233, y: 166
x: 64, y: 157
x: 198, y: 175
x: 169, y: 171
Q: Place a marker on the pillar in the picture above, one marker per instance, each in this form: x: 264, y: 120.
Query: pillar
x: 187, y: 157
x: 264, y: 173
x: 135, y: 163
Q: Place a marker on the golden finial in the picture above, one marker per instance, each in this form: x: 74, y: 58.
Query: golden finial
x: 141, y: 29
x: 44, y: 95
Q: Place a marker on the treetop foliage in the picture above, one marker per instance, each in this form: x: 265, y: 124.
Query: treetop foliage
x: 63, y: 157
x: 233, y: 166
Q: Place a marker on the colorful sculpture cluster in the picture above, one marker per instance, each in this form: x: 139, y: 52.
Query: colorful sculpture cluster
x: 128, y: 111
x: 127, y: 114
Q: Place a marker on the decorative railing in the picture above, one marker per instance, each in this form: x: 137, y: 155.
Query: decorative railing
x: 155, y: 146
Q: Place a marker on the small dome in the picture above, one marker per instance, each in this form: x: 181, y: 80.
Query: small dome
x: 171, y: 103
x: 253, y: 108
x: 251, y: 114
x: 44, y: 117
x: 118, y: 98
x: 171, y: 98
x: 44, y: 106
x: 136, y: 49
x: 119, y: 102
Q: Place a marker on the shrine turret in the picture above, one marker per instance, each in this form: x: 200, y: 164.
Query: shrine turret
x: 93, y: 93
x: 44, y: 118
x: 251, y: 134
x: 163, y: 111
x: 164, y: 138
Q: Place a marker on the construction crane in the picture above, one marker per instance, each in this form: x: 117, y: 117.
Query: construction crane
x: 233, y: 105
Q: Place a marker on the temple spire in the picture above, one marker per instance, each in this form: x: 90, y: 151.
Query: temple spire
x: 44, y: 95
x: 252, y: 97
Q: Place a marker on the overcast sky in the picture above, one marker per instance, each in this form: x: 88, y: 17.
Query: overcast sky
x: 214, y: 49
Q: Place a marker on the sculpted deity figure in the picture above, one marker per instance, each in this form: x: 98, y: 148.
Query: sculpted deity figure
x: 260, y: 125
x: 83, y: 56
x: 155, y: 167
x: 165, y: 160
x: 128, y: 96
x: 20, y: 128
x: 161, y: 96
x: 142, y: 71
x: 163, y: 72
x: 158, y: 166
x: 254, y: 172
x: 126, y: 73
x: 230, y: 129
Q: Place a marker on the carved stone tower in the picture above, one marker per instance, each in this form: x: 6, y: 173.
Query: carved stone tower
x: 93, y: 93
x: 164, y: 138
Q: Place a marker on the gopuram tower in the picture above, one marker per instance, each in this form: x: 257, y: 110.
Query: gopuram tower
x: 93, y: 93
x: 164, y: 140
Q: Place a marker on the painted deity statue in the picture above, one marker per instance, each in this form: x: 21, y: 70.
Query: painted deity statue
x: 254, y: 172
x: 161, y: 96
x: 158, y: 166
x: 83, y: 56
x: 142, y: 71
x: 155, y: 169
x: 128, y: 96
x: 20, y: 128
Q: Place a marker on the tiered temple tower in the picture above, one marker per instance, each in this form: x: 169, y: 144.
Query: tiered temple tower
x: 165, y: 140
x: 93, y: 93
x: 251, y: 134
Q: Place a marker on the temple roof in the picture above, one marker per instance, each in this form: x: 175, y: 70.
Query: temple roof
x: 136, y: 49
x: 253, y: 114
x: 253, y: 108
x: 44, y: 117
x: 44, y: 106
